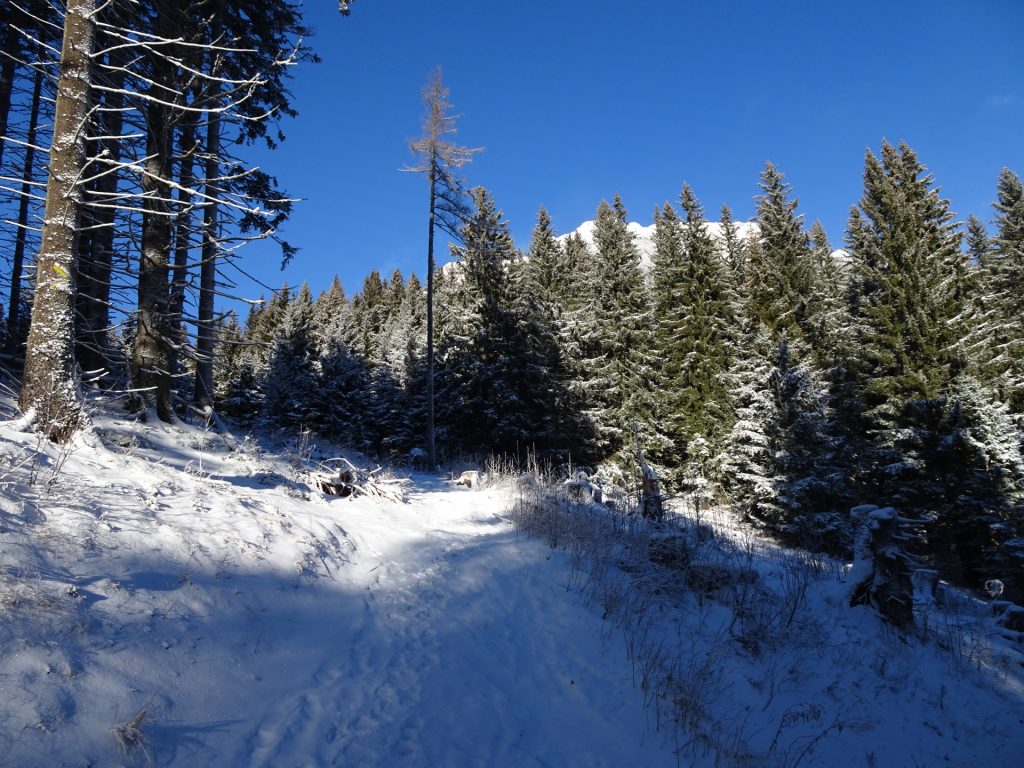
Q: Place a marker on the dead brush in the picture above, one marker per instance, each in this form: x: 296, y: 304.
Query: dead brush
x: 130, y: 737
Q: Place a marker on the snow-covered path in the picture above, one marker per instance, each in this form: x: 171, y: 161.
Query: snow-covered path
x: 169, y: 600
x: 172, y: 598
x: 240, y: 619
x: 457, y: 644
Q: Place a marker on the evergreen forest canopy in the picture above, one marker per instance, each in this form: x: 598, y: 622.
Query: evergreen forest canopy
x: 752, y: 366
x: 768, y: 372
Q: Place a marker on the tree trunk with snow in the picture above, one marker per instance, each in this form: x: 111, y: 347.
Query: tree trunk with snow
x: 205, y: 327
x: 152, y: 357
x: 182, y: 232
x: 94, y: 276
x: 49, y: 386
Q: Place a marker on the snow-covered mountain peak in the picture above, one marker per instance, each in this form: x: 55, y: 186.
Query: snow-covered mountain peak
x: 643, y: 235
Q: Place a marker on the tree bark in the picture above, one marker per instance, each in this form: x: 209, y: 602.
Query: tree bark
x: 431, y: 453
x: 152, y: 356
x: 13, y: 341
x: 50, y: 386
x: 11, y: 46
x: 183, y: 230
x: 206, y: 329
x: 95, y: 274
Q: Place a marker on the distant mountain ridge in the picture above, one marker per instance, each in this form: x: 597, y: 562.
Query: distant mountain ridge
x: 643, y: 235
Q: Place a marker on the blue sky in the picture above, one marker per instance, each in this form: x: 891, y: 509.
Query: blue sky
x: 577, y: 101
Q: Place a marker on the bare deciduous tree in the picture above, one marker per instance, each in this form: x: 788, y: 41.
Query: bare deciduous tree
x: 439, y: 158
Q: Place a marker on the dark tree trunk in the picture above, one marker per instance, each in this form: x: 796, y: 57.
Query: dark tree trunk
x: 18, y: 261
x: 49, y: 386
x: 152, y: 356
x: 182, y: 234
x: 206, y: 328
x: 431, y: 452
x: 11, y: 45
x: 95, y: 274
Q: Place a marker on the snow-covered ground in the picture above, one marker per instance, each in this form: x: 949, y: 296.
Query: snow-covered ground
x: 256, y: 622
x: 170, y: 596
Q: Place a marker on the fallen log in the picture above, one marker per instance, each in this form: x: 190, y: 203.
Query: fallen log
x: 340, y: 477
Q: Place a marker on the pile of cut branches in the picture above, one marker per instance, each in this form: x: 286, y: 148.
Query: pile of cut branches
x: 340, y: 477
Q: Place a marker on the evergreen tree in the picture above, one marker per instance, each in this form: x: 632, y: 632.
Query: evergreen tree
x: 693, y: 311
x: 618, y: 346
x: 979, y: 244
x: 1005, y: 281
x: 912, y: 305
x: 827, y: 318
x: 234, y: 388
x: 342, y: 374
x: 733, y: 246
x: 745, y: 467
x: 550, y: 314
x: 667, y: 265
x: 903, y: 249
x: 781, y: 463
x: 493, y: 377
x: 289, y: 387
x: 369, y: 310
x: 49, y: 385
x: 779, y: 271
x: 405, y: 358
x: 544, y: 262
x: 245, y: 392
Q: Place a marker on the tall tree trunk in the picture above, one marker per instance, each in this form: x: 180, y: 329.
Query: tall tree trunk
x: 84, y: 279
x: 49, y: 386
x: 151, y: 356
x: 11, y: 45
x: 206, y: 329
x: 94, y: 276
x: 182, y: 232
x: 18, y: 261
x: 431, y: 452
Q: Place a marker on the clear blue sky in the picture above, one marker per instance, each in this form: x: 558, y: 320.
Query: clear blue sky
x: 578, y: 101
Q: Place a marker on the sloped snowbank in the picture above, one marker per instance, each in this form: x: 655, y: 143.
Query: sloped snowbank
x: 754, y: 654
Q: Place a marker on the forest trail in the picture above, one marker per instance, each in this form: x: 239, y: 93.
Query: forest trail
x: 210, y: 604
x: 169, y: 597
x: 465, y: 648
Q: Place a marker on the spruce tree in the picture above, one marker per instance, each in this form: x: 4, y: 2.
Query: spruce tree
x: 342, y: 375
x: 404, y: 354
x: 49, y: 386
x: 619, y: 346
x: 911, y: 308
x: 289, y: 388
x: 1006, y: 289
x: 695, y: 326
x: 549, y: 316
x: 781, y: 462
x: 733, y: 246
x: 544, y: 262
x: 778, y: 273
x: 493, y: 379
x: 827, y: 318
